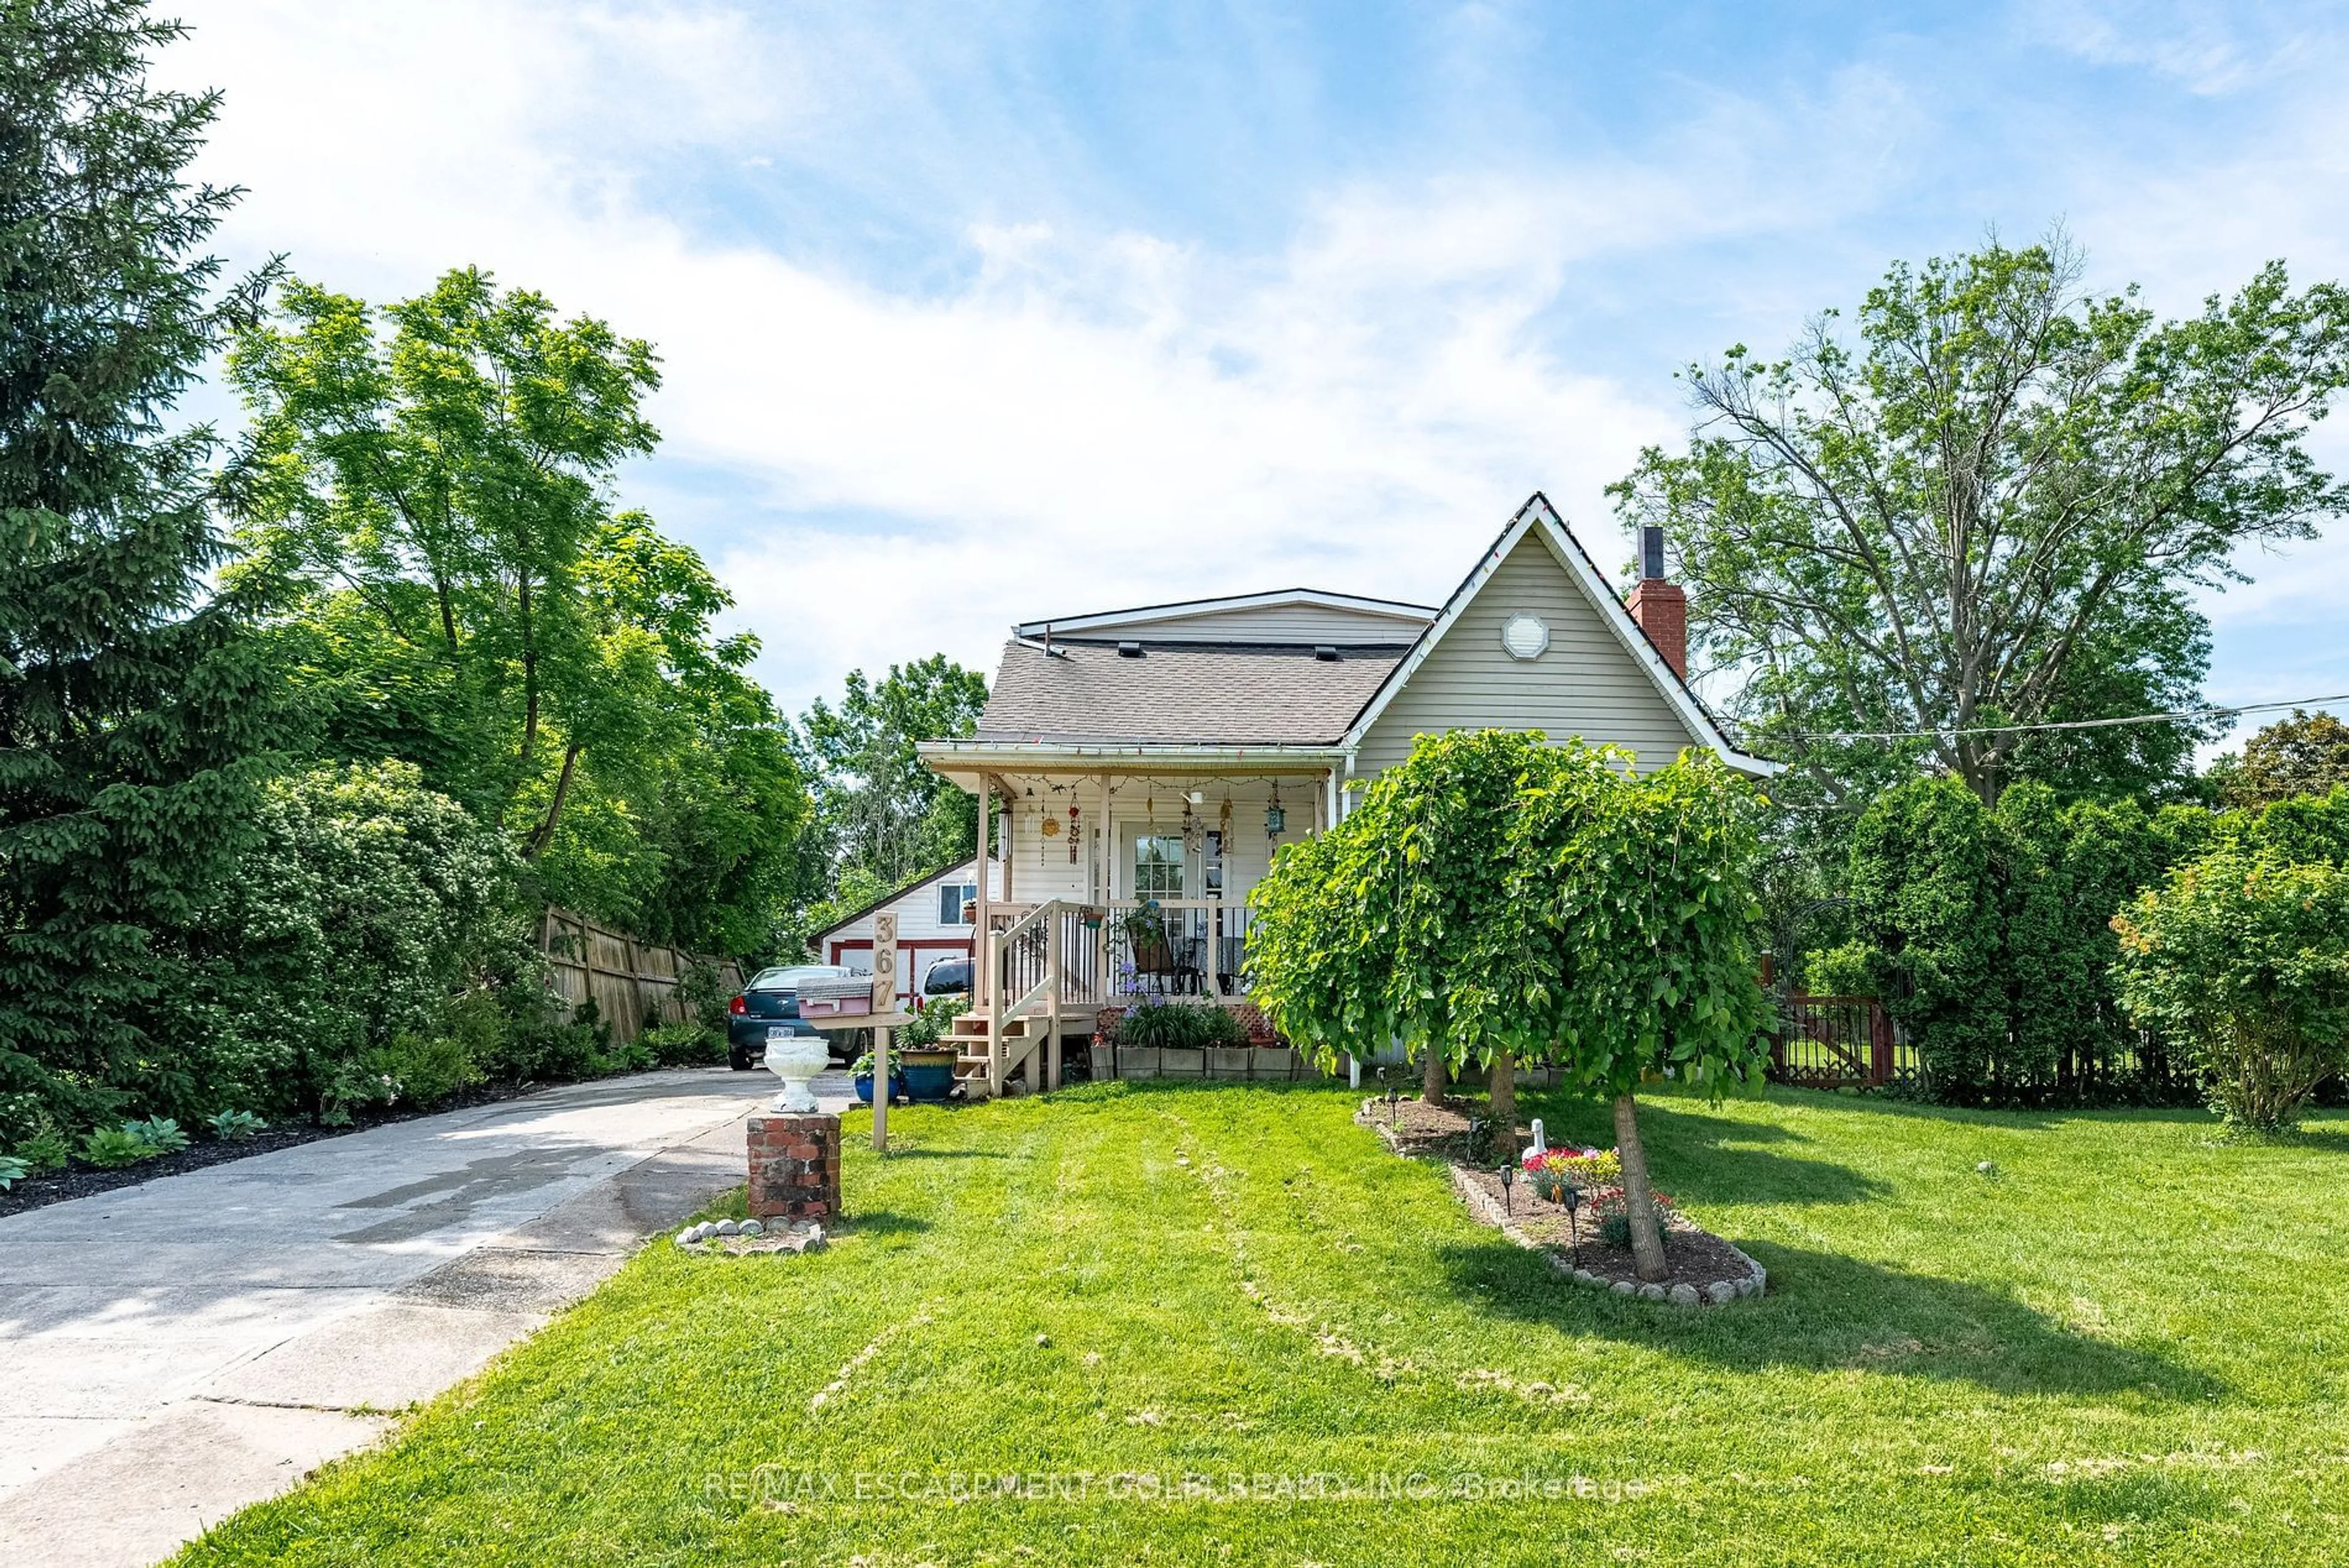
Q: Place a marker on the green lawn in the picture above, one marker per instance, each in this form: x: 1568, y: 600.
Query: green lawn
x: 2124, y: 1346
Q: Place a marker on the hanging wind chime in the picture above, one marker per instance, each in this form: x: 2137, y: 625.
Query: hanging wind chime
x: 1073, y: 835
x: 1275, y: 819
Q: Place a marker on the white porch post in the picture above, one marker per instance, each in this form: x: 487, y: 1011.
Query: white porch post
x: 982, y: 976
x: 1097, y: 862
x: 1107, y: 845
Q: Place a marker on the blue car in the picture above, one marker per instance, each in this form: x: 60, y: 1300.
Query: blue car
x: 771, y: 1001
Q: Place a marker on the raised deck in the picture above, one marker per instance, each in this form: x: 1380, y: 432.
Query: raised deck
x: 1048, y: 969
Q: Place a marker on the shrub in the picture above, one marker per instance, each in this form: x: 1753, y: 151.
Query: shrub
x: 687, y: 1044
x: 2245, y: 959
x: 111, y: 1149
x: 371, y: 907
x: 1611, y: 1210
x: 1179, y: 1026
x: 160, y: 1134
x: 47, y: 1149
x: 1986, y: 931
x: 425, y: 1071
x: 702, y: 988
x: 235, y: 1126
x: 12, y: 1171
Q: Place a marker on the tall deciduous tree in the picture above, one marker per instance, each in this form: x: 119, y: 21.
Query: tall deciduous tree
x: 2307, y: 753
x: 1989, y: 511
x: 435, y: 490
x: 885, y: 817
x: 427, y: 500
x: 131, y: 703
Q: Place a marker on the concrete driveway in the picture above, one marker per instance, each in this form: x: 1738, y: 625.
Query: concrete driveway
x: 172, y: 1352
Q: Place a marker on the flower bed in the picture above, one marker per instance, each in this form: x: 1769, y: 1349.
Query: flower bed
x: 1700, y: 1269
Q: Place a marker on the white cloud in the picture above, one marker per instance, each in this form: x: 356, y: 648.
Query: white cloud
x: 1084, y: 414
x: 1093, y: 418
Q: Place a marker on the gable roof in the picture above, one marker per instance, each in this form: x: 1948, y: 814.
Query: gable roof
x: 1180, y: 694
x: 968, y: 869
x: 1407, y: 619
x: 1539, y: 518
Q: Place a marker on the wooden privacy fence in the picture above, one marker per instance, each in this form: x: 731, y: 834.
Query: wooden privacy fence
x: 1828, y: 1042
x: 634, y: 984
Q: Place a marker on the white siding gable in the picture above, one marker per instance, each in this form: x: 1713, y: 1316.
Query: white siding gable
x: 1587, y: 682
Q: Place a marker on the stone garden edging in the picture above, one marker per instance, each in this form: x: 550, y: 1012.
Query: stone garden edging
x: 1720, y: 1293
x: 1486, y: 1211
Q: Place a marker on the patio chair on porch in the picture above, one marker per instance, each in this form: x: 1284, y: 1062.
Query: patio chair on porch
x: 1175, y: 967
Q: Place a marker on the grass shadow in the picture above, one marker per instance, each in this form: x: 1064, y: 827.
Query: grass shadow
x: 2027, y: 1118
x: 882, y: 1223
x: 1827, y: 1313
x: 1710, y: 1157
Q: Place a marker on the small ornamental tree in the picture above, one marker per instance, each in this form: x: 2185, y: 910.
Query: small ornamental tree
x: 1392, y: 925
x: 1495, y: 898
x: 1643, y: 959
x: 2245, y: 958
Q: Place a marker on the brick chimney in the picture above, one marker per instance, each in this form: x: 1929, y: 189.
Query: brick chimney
x: 1660, y: 606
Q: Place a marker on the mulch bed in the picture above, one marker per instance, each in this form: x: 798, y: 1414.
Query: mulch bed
x: 1413, y: 1127
x: 1692, y: 1255
x: 1713, y: 1270
x: 81, y: 1180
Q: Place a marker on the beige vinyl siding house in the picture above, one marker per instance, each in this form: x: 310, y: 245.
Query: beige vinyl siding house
x: 1587, y: 682
x: 1137, y: 770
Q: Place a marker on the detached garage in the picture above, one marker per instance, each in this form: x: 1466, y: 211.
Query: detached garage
x: 934, y: 923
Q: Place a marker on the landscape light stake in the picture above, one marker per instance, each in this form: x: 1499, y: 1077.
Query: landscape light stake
x: 1571, y: 1196
x: 1508, y: 1188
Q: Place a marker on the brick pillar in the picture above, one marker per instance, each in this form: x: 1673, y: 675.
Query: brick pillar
x: 795, y: 1166
x: 1661, y: 610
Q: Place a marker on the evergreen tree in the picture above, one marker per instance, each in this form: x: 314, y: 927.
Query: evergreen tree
x: 132, y: 701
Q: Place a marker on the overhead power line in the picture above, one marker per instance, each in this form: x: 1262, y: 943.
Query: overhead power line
x: 2233, y: 711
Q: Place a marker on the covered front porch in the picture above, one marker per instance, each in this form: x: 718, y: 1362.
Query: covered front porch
x: 1125, y: 874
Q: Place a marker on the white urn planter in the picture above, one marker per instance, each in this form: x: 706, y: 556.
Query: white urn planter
x: 796, y: 1059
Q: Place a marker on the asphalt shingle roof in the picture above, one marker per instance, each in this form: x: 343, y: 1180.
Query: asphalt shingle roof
x: 1196, y: 695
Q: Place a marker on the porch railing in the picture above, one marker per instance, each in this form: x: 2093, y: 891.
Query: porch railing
x: 1059, y: 958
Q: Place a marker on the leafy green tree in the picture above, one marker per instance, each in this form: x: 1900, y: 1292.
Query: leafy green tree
x: 434, y: 493
x: 1392, y: 925
x: 1643, y: 959
x: 879, y: 811
x: 2307, y: 753
x: 2246, y: 959
x: 427, y: 501
x: 2300, y: 828
x: 134, y: 709
x: 1992, y: 511
x: 1494, y: 898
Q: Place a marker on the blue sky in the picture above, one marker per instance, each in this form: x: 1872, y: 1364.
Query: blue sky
x: 979, y: 313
